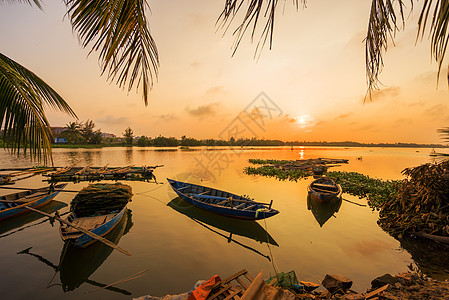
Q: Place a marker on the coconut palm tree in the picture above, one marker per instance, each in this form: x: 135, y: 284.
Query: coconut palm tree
x: 116, y: 29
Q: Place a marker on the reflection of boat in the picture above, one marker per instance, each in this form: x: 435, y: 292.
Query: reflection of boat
x: 253, y: 230
x: 221, y: 202
x: 14, y: 204
x: 249, y: 229
x: 322, y: 211
x: 100, y: 225
x: 77, y: 264
x: 28, y: 217
x: 324, y: 189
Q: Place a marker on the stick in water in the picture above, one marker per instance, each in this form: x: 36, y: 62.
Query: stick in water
x: 135, y: 276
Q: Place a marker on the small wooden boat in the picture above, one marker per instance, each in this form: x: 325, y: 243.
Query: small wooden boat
x: 324, y: 189
x: 15, y: 204
x: 221, y: 202
x: 100, y: 225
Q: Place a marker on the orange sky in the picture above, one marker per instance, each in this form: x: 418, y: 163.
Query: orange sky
x: 315, y: 75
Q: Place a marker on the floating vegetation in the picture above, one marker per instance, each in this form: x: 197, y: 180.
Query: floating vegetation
x: 375, y: 190
x: 271, y: 171
x: 421, y: 203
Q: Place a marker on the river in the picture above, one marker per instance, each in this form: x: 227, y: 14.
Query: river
x: 179, y: 245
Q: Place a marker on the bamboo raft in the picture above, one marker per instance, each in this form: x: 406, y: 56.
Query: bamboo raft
x: 88, y: 173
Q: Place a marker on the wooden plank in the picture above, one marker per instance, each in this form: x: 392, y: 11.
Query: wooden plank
x: 234, y: 293
x: 244, y: 285
x: 249, y: 207
x: 377, y: 292
x: 223, y: 288
x: 240, y: 205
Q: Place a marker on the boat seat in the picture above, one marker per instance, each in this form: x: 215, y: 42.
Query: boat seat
x: 240, y: 205
x: 249, y: 207
x: 223, y: 202
x: 324, y: 185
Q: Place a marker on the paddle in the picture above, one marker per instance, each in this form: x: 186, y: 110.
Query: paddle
x: 91, y: 234
x: 25, y: 189
x: 233, y: 199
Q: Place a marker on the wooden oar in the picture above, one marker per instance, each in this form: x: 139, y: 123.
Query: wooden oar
x: 25, y: 189
x: 232, y: 199
x: 89, y: 233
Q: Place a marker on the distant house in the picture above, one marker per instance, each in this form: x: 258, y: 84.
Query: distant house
x: 107, y: 135
x: 58, y: 130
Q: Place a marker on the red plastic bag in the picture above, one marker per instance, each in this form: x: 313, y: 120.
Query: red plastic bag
x: 201, y: 292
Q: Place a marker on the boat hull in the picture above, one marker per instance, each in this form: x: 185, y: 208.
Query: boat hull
x: 20, y: 209
x: 85, y: 240
x: 262, y: 213
x: 320, y: 195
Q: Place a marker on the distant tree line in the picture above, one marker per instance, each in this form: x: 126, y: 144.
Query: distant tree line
x: 81, y: 133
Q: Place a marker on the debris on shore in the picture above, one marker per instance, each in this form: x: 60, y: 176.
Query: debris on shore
x: 285, y: 286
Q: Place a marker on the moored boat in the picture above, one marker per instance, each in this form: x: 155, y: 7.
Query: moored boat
x: 324, y: 189
x: 100, y: 225
x: 96, y: 209
x: 221, y: 202
x: 15, y: 204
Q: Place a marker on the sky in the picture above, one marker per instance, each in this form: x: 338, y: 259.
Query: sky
x: 310, y: 86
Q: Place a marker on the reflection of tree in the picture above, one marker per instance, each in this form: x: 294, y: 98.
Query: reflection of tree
x: 129, y: 156
x: 429, y: 256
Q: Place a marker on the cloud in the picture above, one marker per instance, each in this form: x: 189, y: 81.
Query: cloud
x: 382, y: 94
x: 111, y: 120
x: 167, y: 117
x: 203, y: 111
x: 195, y: 64
x: 438, y: 111
x: 215, y: 90
x: 343, y: 116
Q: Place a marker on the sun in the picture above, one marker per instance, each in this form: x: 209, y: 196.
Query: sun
x: 305, y: 120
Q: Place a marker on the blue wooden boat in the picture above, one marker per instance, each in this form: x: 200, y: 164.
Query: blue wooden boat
x: 100, y: 225
x: 324, y: 189
x: 221, y: 202
x: 12, y: 205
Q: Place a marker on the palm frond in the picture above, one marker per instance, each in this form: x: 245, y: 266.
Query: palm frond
x: 444, y: 133
x: 255, y: 10
x: 385, y: 19
x: 22, y: 117
x: 119, y: 31
x: 438, y: 28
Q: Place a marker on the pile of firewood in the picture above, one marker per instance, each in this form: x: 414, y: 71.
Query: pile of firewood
x: 101, y: 198
x: 421, y: 204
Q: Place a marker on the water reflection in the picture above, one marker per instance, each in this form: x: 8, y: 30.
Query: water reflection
x: 129, y: 155
x: 431, y: 257
x: 76, y: 265
x: 28, y: 217
x: 322, y: 211
x: 245, y: 228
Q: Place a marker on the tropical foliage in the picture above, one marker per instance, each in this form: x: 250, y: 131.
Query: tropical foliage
x: 117, y: 29
x: 129, y: 136
x: 23, y: 97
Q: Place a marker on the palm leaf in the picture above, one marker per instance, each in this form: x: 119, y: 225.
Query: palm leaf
x: 22, y: 117
x: 254, y: 10
x: 385, y: 18
x: 438, y: 28
x: 119, y: 31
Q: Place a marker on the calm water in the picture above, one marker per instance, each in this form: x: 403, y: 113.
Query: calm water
x: 180, y: 245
